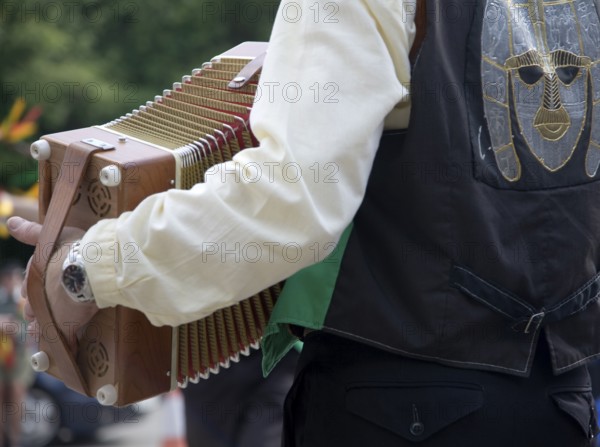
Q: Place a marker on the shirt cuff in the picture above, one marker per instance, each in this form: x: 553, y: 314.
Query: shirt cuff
x: 99, y: 250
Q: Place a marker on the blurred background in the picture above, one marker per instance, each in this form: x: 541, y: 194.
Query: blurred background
x: 76, y: 63
x: 71, y: 64
x: 87, y: 62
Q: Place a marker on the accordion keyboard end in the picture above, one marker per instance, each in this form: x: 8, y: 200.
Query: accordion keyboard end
x: 225, y: 363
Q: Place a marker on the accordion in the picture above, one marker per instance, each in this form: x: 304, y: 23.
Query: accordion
x: 169, y: 142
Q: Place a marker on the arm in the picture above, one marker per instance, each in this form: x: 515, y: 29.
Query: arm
x: 193, y: 248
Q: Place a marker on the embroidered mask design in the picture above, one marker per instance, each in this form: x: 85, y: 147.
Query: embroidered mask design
x: 541, y: 61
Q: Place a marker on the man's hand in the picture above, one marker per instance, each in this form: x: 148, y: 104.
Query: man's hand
x: 70, y: 317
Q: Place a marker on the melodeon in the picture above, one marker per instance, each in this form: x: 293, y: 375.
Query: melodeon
x: 169, y: 142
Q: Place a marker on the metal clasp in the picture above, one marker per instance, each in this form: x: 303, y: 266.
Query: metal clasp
x: 98, y: 144
x: 539, y: 316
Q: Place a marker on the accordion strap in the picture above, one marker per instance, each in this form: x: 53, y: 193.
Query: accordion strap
x: 421, y: 29
x: 76, y: 159
x: 249, y: 70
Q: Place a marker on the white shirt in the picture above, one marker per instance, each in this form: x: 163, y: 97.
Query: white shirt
x: 336, y: 74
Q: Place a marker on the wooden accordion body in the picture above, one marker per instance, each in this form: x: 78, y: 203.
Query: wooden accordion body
x: 169, y: 142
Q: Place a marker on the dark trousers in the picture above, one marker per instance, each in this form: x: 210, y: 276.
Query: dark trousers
x: 352, y: 395
x: 238, y: 407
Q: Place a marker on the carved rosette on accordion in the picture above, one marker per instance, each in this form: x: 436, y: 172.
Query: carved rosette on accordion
x: 103, y: 171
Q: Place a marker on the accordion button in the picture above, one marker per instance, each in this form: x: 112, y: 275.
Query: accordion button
x: 40, y: 150
x: 110, y: 176
x: 40, y: 361
x: 107, y: 395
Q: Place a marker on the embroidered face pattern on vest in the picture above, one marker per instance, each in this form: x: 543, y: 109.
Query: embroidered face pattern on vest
x: 540, y: 66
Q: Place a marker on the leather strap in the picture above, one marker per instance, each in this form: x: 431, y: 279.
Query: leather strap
x: 76, y: 159
x: 249, y: 70
x: 421, y: 24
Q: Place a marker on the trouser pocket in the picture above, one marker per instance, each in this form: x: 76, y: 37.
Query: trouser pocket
x: 415, y: 411
x: 578, y: 403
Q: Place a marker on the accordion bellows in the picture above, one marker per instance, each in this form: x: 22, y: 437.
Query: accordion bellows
x: 168, y: 142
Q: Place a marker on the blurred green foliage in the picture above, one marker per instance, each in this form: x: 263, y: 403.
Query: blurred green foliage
x: 88, y: 62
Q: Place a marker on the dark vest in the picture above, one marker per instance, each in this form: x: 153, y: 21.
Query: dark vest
x: 480, y: 228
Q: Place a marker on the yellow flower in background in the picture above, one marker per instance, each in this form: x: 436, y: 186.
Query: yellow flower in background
x: 14, y: 128
x: 7, y: 351
x: 6, y: 210
x: 17, y: 126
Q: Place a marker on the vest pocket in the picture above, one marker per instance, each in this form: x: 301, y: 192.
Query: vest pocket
x: 578, y: 403
x: 413, y: 410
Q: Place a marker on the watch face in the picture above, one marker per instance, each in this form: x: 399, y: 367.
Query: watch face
x: 74, y: 279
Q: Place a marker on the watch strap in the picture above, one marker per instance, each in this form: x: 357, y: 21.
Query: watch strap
x: 75, y: 258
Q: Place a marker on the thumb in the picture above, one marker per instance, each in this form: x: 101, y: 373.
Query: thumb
x: 24, y: 230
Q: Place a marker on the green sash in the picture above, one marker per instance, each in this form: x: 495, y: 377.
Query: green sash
x: 304, y: 301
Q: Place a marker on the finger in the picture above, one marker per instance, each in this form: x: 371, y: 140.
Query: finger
x: 33, y: 333
x: 33, y: 326
x: 24, y: 230
x: 26, y: 279
x: 28, y: 312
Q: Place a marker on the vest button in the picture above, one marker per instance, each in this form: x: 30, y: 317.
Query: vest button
x: 417, y: 429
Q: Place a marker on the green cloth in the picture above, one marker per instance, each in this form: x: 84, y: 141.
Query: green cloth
x: 304, y: 301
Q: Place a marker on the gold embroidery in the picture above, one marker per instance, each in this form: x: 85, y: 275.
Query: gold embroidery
x: 549, y: 76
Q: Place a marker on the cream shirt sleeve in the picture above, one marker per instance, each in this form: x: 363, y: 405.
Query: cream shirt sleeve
x: 334, y: 73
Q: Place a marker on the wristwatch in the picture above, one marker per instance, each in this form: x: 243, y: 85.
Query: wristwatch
x: 74, y: 277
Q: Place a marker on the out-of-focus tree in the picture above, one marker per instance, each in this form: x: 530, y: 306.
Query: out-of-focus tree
x: 87, y: 62
x: 18, y: 177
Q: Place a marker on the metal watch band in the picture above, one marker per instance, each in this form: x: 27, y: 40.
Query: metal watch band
x: 74, y: 277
